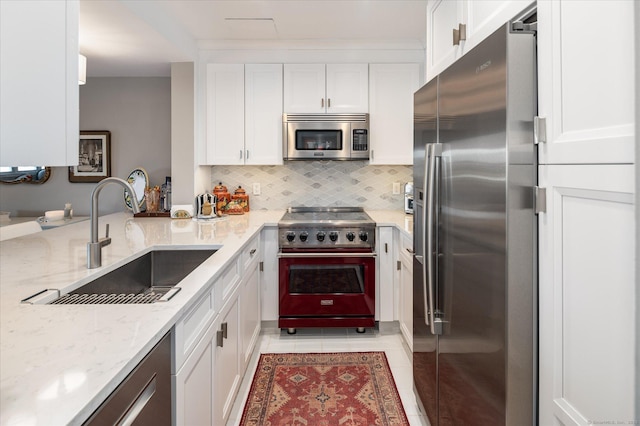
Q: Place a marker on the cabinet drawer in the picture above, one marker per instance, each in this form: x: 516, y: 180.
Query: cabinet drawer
x: 190, y: 329
x: 251, y: 253
x: 228, y: 282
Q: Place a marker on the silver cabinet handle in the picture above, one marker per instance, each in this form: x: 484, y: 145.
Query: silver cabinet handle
x: 219, y: 338
x: 459, y: 34
x: 145, y: 396
x: 386, y: 248
x: 241, y: 154
x: 322, y: 103
x: 328, y: 102
x: 224, y: 328
x: 398, y: 265
x: 462, y: 30
x: 247, y: 154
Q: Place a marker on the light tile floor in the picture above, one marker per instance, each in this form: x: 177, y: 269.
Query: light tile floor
x: 336, y: 340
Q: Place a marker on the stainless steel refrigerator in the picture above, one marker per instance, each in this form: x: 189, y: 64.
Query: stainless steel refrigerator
x: 475, y: 281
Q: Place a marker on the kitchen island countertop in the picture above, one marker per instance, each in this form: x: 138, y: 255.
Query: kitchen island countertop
x: 59, y: 362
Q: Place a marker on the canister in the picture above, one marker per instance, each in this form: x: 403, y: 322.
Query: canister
x: 242, y: 197
x: 220, y: 191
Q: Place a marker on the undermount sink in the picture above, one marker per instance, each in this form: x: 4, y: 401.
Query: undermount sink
x: 149, y: 278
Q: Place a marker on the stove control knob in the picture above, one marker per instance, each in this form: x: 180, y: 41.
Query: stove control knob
x: 320, y: 236
x: 363, y: 236
x: 304, y: 236
x: 291, y: 236
x: 351, y: 236
x: 333, y: 236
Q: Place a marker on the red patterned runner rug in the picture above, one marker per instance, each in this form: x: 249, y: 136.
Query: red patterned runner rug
x: 323, y: 389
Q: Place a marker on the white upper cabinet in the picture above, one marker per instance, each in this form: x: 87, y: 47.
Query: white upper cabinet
x: 263, y: 114
x: 455, y: 26
x: 39, y: 95
x: 391, y: 89
x: 443, y: 16
x: 244, y: 114
x: 225, y: 114
x: 320, y: 88
x: 586, y: 81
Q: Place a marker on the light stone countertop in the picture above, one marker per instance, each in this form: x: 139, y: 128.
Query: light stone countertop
x: 59, y: 362
x: 397, y: 218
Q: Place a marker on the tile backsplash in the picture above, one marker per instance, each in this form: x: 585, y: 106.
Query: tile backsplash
x: 318, y: 183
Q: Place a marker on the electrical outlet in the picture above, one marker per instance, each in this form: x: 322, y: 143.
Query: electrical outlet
x: 256, y: 188
x: 396, y: 188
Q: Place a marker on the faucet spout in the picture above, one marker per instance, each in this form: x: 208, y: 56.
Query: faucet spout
x: 94, y: 247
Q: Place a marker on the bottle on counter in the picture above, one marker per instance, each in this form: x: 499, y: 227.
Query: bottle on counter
x: 166, y: 194
x: 68, y: 213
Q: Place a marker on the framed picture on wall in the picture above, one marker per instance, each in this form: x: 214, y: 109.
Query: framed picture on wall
x: 94, y: 157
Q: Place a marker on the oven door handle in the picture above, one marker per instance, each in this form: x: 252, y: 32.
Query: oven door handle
x: 334, y: 254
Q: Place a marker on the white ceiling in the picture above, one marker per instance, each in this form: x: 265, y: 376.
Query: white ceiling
x: 142, y: 37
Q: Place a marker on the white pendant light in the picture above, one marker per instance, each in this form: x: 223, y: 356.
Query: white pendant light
x: 82, y: 69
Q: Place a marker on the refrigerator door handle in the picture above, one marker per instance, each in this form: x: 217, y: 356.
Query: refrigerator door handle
x: 425, y: 245
x: 433, y: 151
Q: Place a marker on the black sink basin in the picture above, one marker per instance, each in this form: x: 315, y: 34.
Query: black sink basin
x: 146, y: 279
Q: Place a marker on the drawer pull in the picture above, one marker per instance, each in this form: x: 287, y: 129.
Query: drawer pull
x: 142, y: 400
x: 219, y: 338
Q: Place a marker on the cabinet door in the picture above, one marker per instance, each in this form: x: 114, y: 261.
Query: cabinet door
x: 483, y: 17
x: 347, y: 88
x: 39, y: 106
x: 225, y: 114
x: 405, y: 287
x: 385, y: 293
x: 304, y: 88
x: 391, y: 89
x: 405, y: 303
x: 586, y: 81
x: 263, y: 114
x: 443, y: 16
x: 227, y: 364
x: 250, y: 315
x: 269, y: 276
x: 587, y: 295
x: 193, y: 383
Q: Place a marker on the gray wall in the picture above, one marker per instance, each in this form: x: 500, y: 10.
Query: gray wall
x: 137, y: 112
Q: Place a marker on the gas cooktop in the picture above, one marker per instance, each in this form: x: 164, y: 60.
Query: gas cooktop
x: 326, y: 227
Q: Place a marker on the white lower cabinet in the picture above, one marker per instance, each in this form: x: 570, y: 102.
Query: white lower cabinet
x: 385, y: 286
x: 404, y: 285
x: 587, y: 296
x: 226, y: 370
x: 214, y: 340
x: 193, y: 385
x: 250, y: 308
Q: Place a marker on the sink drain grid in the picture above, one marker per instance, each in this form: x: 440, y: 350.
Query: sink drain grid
x: 108, y: 299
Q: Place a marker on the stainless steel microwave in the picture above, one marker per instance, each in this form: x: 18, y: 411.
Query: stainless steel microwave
x: 325, y: 136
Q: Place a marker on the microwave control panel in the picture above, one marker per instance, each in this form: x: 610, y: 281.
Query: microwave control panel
x: 360, y: 140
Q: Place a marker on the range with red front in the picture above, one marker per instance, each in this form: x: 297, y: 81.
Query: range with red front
x: 327, y: 268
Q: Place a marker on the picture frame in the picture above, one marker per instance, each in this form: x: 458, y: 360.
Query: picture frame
x: 94, y: 157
